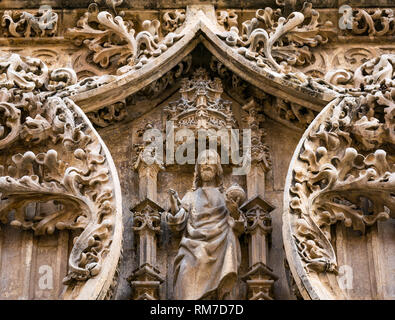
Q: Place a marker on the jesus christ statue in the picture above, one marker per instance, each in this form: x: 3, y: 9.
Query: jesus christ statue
x: 208, y: 258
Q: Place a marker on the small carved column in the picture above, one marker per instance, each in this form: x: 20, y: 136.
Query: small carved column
x: 260, y: 277
x: 146, y: 279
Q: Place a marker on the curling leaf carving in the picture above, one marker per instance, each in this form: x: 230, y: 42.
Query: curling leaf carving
x: 277, y: 42
x: 345, y: 171
x: 113, y: 38
x: 60, y: 163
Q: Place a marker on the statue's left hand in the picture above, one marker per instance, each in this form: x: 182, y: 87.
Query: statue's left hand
x: 174, y: 199
x: 233, y: 207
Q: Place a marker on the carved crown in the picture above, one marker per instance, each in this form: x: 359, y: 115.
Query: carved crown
x: 201, y: 105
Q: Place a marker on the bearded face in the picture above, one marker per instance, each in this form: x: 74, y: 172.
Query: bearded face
x: 208, y: 168
x: 207, y: 172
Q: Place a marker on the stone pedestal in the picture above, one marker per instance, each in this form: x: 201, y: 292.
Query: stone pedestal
x: 146, y: 279
x: 259, y: 277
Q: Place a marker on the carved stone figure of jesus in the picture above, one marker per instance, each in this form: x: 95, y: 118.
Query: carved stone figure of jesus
x: 208, y: 258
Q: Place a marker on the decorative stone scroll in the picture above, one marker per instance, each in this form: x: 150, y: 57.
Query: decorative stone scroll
x: 31, y: 74
x: 172, y: 20
x: 111, y: 43
x: 373, y: 22
x: 109, y: 37
x: 25, y: 24
x: 277, y: 42
x: 54, y: 156
x: 367, y: 77
x: 227, y: 18
x: 342, y: 170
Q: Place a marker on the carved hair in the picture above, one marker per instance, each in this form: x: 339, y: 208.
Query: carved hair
x: 209, y: 154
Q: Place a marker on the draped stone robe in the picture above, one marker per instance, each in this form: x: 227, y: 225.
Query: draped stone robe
x: 209, y: 254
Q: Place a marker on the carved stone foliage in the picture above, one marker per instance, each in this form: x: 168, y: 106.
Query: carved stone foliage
x: 227, y: 18
x: 86, y: 85
x: 289, y: 113
x: 359, y: 69
x: 24, y: 24
x: 110, y: 4
x: 54, y: 156
x: 344, y: 170
x: 31, y: 74
x: 108, y: 115
x: 147, y: 217
x: 257, y: 217
x: 172, y: 20
x: 157, y: 87
x: 376, y: 74
x: 373, y: 22
x: 201, y: 105
x: 277, y: 42
x: 112, y: 44
x: 112, y: 38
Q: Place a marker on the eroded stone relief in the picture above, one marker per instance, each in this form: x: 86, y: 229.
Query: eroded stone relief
x: 373, y: 22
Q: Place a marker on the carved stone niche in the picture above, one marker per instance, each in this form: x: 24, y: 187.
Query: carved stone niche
x: 201, y: 106
x: 339, y: 195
